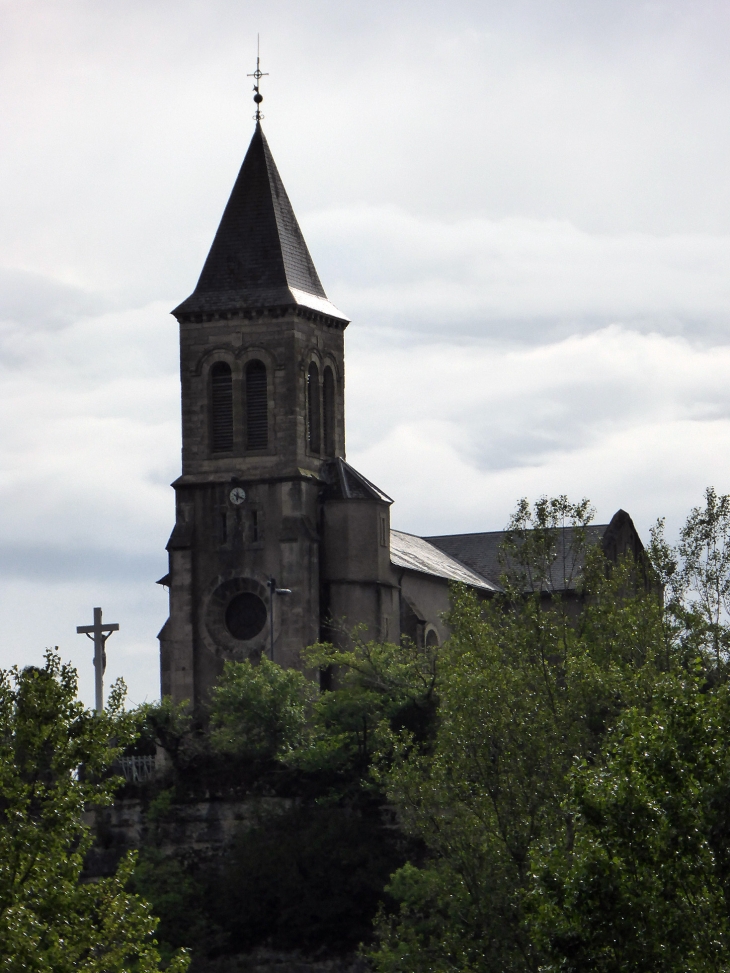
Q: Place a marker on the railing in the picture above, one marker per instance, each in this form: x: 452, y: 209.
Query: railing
x: 137, y: 768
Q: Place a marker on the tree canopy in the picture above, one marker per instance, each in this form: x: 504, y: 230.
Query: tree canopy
x: 55, y: 757
x: 573, y: 802
x: 547, y: 791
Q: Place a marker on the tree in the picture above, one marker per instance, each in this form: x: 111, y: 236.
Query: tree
x: 306, y: 872
x: 695, y: 578
x: 641, y: 880
x: 527, y: 685
x: 55, y: 757
x: 640, y: 885
x: 261, y: 711
x: 379, y: 686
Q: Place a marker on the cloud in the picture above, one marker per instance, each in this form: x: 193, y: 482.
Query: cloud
x: 38, y: 613
x: 517, y: 279
x: 89, y: 442
x: 89, y: 438
x: 38, y: 301
x: 456, y: 434
x: 524, y: 207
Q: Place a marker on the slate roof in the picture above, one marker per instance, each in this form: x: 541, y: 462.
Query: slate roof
x: 345, y: 483
x: 417, y: 554
x: 481, y: 553
x: 258, y: 259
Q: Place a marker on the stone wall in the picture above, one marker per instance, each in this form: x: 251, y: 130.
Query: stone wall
x: 200, y: 828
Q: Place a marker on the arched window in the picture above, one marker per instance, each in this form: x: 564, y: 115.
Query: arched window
x: 432, y: 638
x: 257, y: 406
x: 328, y: 411
x: 221, y: 408
x: 313, y: 408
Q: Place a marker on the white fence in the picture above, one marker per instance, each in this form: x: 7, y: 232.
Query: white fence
x: 137, y: 768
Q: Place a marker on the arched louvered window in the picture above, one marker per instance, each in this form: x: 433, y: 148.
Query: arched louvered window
x: 257, y: 406
x: 313, y: 408
x: 328, y: 412
x: 221, y: 408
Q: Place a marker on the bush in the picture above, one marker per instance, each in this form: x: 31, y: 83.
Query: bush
x: 261, y: 711
x: 309, y: 879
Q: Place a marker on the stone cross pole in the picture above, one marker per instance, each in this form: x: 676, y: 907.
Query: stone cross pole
x: 98, y: 633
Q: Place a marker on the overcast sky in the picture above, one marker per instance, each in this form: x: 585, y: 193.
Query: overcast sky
x: 524, y: 207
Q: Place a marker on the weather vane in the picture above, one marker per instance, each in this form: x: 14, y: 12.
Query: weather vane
x: 257, y: 75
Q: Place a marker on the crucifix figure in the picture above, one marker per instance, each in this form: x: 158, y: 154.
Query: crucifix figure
x: 98, y: 633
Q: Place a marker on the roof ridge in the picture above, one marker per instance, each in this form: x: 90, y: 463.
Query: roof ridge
x: 269, y: 163
x: 506, y: 530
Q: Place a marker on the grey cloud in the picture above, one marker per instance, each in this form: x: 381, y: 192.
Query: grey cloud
x: 51, y: 563
x: 520, y: 280
x: 38, y: 301
x: 524, y: 207
x: 509, y: 413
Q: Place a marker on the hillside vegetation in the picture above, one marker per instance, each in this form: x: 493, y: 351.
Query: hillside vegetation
x: 549, y: 790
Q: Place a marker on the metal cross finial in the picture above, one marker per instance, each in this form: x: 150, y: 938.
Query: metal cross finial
x: 98, y: 633
x: 257, y: 75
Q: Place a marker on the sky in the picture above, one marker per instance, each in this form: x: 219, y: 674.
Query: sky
x: 523, y: 207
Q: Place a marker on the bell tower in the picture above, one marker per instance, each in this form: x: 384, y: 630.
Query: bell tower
x: 262, y: 383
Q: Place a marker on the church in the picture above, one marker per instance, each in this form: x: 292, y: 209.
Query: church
x: 278, y: 542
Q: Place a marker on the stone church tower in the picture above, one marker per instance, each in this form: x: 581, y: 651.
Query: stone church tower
x: 266, y: 500
x: 262, y: 380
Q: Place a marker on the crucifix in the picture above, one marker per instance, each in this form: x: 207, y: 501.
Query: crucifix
x: 98, y: 633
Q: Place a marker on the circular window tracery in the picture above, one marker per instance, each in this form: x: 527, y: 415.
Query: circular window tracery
x: 246, y: 616
x: 235, y: 618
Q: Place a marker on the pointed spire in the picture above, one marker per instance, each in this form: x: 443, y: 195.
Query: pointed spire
x: 258, y: 259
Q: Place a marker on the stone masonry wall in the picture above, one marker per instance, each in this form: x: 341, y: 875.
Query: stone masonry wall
x: 201, y: 828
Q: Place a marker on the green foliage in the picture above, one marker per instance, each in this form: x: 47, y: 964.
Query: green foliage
x: 182, y: 899
x: 558, y: 770
x: 165, y: 724
x: 54, y: 758
x: 311, y: 872
x: 310, y: 878
x: 634, y: 884
x: 307, y: 877
x: 527, y: 686
x: 536, y: 554
x: 379, y: 685
x: 695, y: 576
x: 260, y: 712
x: 704, y: 556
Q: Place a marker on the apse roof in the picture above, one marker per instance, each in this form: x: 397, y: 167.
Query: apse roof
x: 258, y: 259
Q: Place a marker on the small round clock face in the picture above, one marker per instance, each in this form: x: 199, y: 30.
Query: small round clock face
x: 237, y: 495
